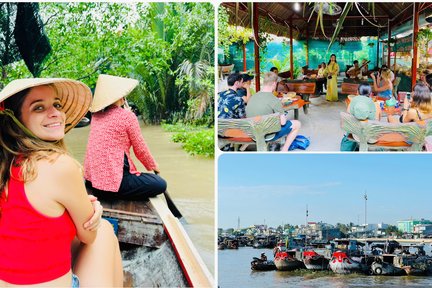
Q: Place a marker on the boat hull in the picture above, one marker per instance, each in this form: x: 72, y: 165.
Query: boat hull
x: 342, y: 264
x: 285, y: 262
x: 263, y: 265
x: 314, y: 261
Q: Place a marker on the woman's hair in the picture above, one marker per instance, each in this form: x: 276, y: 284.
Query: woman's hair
x: 15, y: 144
x: 386, y: 74
x: 364, y: 89
x: 324, y: 64
x: 331, y: 57
x: 421, y: 98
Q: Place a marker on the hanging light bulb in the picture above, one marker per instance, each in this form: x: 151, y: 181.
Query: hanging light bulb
x: 297, y: 7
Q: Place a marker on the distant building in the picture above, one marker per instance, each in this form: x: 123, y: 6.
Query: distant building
x: 407, y: 226
x: 423, y: 229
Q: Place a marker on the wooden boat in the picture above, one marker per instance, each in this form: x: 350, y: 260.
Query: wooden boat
x: 383, y: 265
x: 413, y: 264
x: 260, y: 265
x: 166, y: 257
x: 315, y: 261
x: 286, y: 261
x: 340, y: 263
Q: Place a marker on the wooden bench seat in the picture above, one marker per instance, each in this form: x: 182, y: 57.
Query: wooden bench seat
x: 376, y: 135
x: 349, y: 88
x: 248, y: 130
x: 304, y: 88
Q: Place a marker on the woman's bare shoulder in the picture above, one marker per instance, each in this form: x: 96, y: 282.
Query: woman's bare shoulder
x: 60, y: 164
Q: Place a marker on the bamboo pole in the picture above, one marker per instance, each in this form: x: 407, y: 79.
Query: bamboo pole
x: 291, y: 50
x: 414, y: 41
x: 244, y: 57
x: 256, y: 47
x: 388, y: 43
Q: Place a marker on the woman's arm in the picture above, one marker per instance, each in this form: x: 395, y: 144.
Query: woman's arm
x: 72, y: 194
x: 142, y: 152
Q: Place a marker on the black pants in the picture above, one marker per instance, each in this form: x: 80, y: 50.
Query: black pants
x: 133, y: 187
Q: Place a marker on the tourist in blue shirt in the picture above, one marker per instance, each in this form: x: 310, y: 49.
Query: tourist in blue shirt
x: 230, y: 104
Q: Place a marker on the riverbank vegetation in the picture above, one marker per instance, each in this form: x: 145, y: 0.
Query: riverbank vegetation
x: 168, y: 47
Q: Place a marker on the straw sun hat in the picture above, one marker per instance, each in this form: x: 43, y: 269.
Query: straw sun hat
x: 109, y: 89
x: 75, y: 96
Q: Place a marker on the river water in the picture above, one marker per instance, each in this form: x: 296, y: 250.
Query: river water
x: 234, y: 271
x: 190, y: 183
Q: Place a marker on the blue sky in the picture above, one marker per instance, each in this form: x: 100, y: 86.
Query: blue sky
x: 275, y: 188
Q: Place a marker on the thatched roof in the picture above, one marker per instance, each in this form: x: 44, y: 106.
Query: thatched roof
x: 275, y: 18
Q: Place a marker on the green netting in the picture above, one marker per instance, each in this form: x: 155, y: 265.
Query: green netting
x: 277, y: 54
x: 22, y: 36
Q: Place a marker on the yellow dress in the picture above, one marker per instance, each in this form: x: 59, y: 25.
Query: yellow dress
x: 332, y: 89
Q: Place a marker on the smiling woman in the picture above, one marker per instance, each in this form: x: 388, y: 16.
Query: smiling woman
x: 43, y: 202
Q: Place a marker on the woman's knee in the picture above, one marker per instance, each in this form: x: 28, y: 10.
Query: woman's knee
x: 160, y: 185
x: 296, y: 124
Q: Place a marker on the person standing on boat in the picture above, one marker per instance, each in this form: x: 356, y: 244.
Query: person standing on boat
x: 332, y: 73
x: 44, y: 205
x: 108, y: 167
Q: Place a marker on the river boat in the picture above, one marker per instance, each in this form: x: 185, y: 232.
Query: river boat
x: 340, y: 263
x: 259, y: 265
x: 286, y: 261
x: 383, y: 265
x: 152, y: 237
x: 414, y: 264
x: 315, y: 261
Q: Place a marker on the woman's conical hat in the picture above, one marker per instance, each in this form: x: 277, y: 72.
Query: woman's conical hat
x: 109, y: 89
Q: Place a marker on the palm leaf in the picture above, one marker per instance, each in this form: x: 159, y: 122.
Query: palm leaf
x: 340, y: 22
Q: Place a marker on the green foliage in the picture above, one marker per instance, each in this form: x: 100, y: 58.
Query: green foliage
x: 197, y: 140
x: 145, y: 41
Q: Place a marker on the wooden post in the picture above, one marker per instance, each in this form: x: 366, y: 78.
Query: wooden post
x: 388, y: 43
x: 394, y: 62
x: 378, y: 48
x: 256, y: 47
x: 307, y: 45
x: 291, y: 50
x: 244, y: 57
x: 414, y: 41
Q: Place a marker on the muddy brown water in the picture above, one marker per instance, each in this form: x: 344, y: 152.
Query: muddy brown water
x: 190, y: 183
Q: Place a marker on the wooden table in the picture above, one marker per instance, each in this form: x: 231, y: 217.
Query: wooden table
x: 296, y: 105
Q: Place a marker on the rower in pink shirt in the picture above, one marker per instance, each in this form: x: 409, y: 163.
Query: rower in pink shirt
x: 109, y: 169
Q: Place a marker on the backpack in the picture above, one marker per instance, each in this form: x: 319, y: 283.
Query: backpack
x: 300, y: 142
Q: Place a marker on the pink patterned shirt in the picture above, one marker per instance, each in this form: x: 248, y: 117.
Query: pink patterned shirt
x: 112, y: 133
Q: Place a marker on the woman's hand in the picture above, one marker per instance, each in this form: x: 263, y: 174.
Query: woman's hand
x: 156, y: 171
x: 94, y: 222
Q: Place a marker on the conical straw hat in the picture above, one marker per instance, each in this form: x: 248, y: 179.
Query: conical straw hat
x: 109, y: 89
x: 75, y: 96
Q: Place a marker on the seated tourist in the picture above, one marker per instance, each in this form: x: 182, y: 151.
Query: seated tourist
x: 276, y: 71
x: 392, y: 76
x: 382, y: 84
x: 321, y: 80
x: 364, y: 91
x: 425, y: 77
x: 418, y: 108
x: 264, y: 103
x: 363, y: 108
x: 231, y: 105
x: 303, y: 73
x: 244, y: 90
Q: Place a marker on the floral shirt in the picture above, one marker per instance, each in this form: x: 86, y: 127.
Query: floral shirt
x: 231, y: 105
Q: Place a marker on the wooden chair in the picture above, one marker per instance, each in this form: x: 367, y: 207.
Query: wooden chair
x: 376, y: 135
x: 349, y: 88
x: 225, y: 70
x: 248, y: 130
x: 305, y: 89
